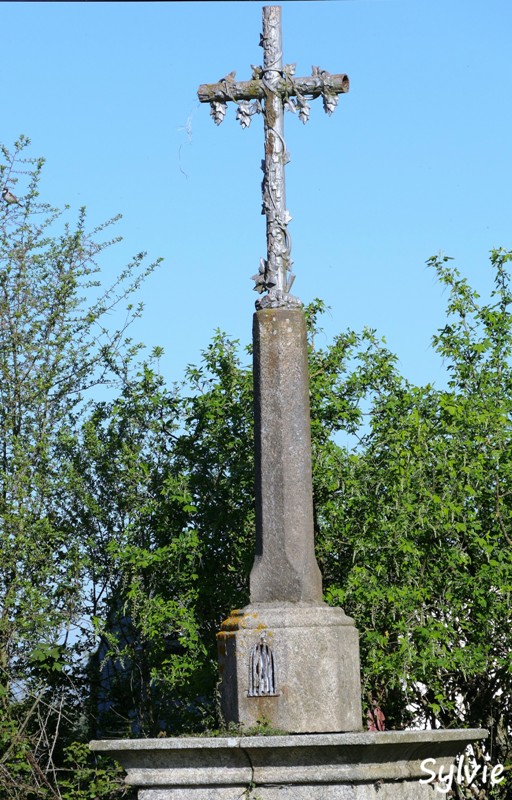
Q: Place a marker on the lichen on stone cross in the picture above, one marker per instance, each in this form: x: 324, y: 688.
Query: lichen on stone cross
x: 272, y: 89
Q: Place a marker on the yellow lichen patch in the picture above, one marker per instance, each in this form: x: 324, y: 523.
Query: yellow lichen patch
x: 234, y: 621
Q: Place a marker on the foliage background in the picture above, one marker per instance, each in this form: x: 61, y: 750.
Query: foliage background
x: 127, y: 520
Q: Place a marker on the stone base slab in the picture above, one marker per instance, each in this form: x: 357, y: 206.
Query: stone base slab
x: 315, y: 659
x: 390, y: 791
x: 342, y: 766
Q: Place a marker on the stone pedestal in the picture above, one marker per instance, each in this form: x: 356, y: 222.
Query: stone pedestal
x: 293, y: 665
x: 346, y: 766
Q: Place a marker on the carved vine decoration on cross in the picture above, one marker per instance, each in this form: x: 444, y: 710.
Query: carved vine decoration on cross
x: 273, y: 88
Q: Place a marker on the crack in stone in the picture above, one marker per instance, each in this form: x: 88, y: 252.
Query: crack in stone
x: 247, y: 792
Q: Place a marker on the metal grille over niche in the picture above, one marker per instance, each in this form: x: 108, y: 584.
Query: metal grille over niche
x: 262, y: 670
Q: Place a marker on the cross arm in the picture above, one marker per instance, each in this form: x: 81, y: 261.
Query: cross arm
x: 311, y: 87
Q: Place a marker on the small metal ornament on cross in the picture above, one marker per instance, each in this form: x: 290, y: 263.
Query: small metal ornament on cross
x: 272, y: 89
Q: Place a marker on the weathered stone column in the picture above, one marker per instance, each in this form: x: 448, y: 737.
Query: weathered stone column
x: 285, y: 567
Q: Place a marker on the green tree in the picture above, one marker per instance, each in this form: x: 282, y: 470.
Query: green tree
x: 416, y: 541
x: 413, y: 520
x: 166, y: 506
x: 54, y: 349
x: 127, y: 524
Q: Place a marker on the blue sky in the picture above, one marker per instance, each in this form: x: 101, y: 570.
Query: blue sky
x: 417, y: 158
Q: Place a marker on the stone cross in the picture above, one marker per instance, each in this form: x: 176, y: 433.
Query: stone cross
x: 287, y: 657
x: 275, y: 86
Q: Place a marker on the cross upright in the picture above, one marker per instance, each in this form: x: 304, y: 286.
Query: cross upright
x: 287, y: 656
x: 272, y: 89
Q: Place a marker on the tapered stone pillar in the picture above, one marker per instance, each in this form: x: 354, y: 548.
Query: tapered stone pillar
x: 287, y: 657
x: 285, y: 567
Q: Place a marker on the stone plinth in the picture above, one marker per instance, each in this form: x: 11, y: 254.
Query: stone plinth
x: 295, y: 665
x: 346, y: 766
